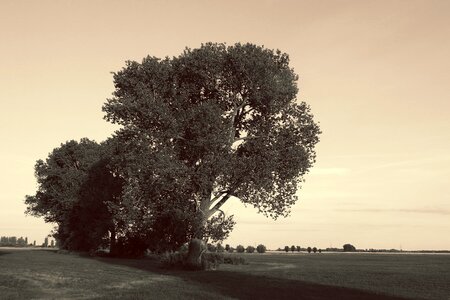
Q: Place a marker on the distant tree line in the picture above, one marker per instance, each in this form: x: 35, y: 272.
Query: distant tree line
x: 298, y: 249
x: 12, y: 241
x: 351, y: 248
x: 345, y: 248
x: 45, y: 244
x: 239, y: 248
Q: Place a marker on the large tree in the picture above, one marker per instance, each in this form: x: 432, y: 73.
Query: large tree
x: 213, y: 123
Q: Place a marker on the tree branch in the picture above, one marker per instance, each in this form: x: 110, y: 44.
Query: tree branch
x: 233, y: 118
x: 219, y: 204
x: 218, y: 196
x: 179, y: 137
x: 246, y: 112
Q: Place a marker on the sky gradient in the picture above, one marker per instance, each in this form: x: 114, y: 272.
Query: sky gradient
x: 376, y: 74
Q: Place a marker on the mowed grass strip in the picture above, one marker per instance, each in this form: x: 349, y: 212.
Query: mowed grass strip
x: 44, y: 274
x: 34, y: 274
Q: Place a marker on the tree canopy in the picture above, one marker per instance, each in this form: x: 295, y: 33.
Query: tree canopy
x: 214, y: 123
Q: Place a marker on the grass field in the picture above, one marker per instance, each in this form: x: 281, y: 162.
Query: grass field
x: 43, y: 274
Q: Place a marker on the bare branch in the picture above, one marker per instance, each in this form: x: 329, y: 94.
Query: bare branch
x: 241, y: 106
x: 218, y: 196
x: 219, y: 204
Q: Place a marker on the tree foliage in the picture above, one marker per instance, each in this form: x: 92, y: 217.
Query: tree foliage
x: 75, y: 186
x: 213, y: 123
x: 59, y: 179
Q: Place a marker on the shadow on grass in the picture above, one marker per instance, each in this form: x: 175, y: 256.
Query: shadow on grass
x: 249, y: 286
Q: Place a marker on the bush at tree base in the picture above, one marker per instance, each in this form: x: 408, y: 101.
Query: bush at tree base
x: 211, y: 248
x: 209, y: 261
x: 184, y: 248
x: 234, y: 260
x: 220, y: 248
x: 130, y: 247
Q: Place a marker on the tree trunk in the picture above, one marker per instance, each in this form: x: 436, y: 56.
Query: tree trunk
x: 112, y: 241
x: 196, y: 245
x: 196, y: 249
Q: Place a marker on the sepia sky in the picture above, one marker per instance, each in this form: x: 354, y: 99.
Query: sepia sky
x: 376, y: 74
